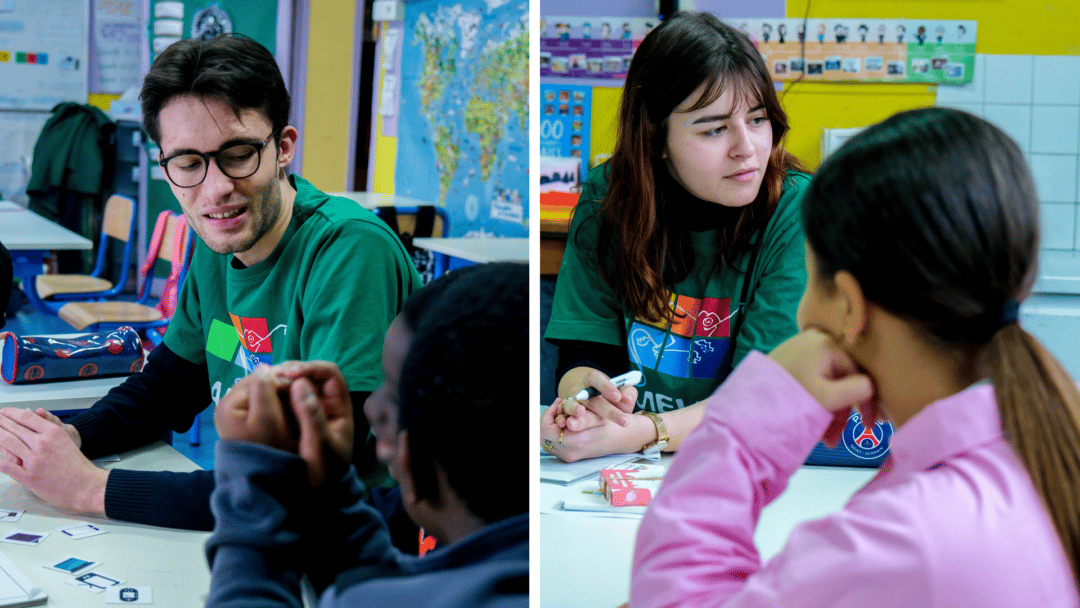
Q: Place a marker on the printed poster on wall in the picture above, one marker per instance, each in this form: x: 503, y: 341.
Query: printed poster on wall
x: 868, y: 50
x: 564, y: 122
x: 43, y: 53
x: 116, y: 42
x: 590, y: 47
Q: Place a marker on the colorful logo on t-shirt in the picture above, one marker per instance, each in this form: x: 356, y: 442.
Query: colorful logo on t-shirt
x: 866, y: 443
x: 693, y: 345
x: 246, y: 342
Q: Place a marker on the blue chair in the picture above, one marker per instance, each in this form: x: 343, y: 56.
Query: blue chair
x: 51, y: 292
x: 98, y: 316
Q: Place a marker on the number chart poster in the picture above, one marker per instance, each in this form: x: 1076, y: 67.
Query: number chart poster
x: 590, y: 47
x: 867, y: 50
x: 43, y: 53
x: 564, y: 123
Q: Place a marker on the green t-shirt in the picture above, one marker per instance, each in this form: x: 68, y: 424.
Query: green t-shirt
x: 684, y: 361
x: 328, y: 291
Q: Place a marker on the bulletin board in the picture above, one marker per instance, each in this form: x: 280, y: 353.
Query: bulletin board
x: 43, y: 53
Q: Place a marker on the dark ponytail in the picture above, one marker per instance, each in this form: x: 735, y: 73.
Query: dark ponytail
x: 1040, y: 415
x: 935, y: 213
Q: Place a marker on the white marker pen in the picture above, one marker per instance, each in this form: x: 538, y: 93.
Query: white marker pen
x: 631, y: 378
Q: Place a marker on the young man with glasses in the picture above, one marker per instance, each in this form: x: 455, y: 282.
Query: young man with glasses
x: 281, y: 271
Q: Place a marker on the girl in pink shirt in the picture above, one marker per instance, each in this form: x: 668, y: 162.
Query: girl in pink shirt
x: 922, y: 240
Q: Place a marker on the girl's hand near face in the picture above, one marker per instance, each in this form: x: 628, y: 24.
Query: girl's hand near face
x: 814, y: 359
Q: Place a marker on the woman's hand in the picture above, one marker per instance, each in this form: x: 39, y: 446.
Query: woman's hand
x: 830, y: 376
x: 614, y: 404
x: 602, y: 438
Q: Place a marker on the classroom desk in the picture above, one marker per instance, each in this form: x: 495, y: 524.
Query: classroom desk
x: 54, y: 396
x: 29, y: 237
x: 585, y: 557
x: 370, y: 200
x: 170, y: 562
x: 480, y: 251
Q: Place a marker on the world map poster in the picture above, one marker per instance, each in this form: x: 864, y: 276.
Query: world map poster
x: 465, y: 75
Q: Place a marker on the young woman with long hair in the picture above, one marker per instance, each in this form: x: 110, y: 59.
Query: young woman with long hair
x: 685, y: 251
x: 922, y: 240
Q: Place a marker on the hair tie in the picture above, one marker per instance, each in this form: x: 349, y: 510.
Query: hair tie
x: 1010, y: 313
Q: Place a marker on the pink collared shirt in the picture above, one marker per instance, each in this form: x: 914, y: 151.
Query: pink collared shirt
x: 951, y: 520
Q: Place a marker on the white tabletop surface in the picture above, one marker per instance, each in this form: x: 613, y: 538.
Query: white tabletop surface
x: 479, y: 250
x: 170, y: 562
x: 370, y: 200
x: 63, y: 395
x: 21, y: 229
x: 585, y: 557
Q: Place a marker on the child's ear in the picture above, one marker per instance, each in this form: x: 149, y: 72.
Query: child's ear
x: 406, y: 484
x: 853, y: 307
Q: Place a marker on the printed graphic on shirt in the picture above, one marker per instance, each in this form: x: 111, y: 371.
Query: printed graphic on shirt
x: 693, y: 345
x: 866, y: 443
x: 245, y: 343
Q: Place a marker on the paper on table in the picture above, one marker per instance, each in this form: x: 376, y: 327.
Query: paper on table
x: 553, y: 470
x: 586, y: 496
x: 16, y: 589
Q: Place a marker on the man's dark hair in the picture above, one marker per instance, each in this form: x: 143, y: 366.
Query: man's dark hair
x: 233, y: 69
x: 465, y: 385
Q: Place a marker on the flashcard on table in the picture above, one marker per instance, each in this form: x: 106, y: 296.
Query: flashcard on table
x: 80, y: 530
x: 11, y: 514
x: 123, y: 594
x: 22, y: 537
x: 71, y: 565
x: 95, y: 582
x: 107, y: 459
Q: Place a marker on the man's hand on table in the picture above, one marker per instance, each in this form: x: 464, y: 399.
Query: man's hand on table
x: 42, y: 454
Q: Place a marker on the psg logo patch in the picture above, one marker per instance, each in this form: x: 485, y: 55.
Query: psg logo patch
x: 866, y: 443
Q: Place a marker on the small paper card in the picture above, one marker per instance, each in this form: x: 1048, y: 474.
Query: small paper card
x: 11, y: 514
x: 95, y: 582
x: 80, y: 530
x: 124, y: 594
x: 23, y: 537
x: 71, y: 565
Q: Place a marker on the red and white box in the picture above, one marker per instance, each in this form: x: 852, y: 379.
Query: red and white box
x: 632, y: 487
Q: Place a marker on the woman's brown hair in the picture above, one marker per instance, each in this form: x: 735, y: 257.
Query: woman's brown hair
x: 935, y: 213
x: 640, y: 251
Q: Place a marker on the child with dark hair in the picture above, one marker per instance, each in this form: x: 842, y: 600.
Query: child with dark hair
x: 287, y: 503
x: 922, y: 240
x: 685, y: 250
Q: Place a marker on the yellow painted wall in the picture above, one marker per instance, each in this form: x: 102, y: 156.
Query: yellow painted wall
x: 328, y: 95
x: 1007, y: 27
x: 385, y: 147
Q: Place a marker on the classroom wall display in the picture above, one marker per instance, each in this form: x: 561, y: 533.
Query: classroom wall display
x: 116, y: 46
x: 884, y: 50
x: 590, y: 47
x: 43, y: 53
x: 564, y: 121
x: 463, y: 131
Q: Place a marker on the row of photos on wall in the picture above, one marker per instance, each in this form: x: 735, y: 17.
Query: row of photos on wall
x: 881, y: 50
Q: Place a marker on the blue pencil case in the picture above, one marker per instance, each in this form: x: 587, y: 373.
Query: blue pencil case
x: 27, y: 359
x: 859, y: 446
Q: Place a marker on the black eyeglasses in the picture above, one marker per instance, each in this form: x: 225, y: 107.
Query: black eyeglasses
x: 188, y: 169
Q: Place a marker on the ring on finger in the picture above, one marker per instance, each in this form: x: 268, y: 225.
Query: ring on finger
x: 545, y: 444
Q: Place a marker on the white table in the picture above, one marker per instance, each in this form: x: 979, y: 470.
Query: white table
x: 53, y: 396
x: 585, y: 557
x: 171, y: 562
x: 479, y: 250
x: 370, y: 200
x: 24, y: 230
x: 29, y: 237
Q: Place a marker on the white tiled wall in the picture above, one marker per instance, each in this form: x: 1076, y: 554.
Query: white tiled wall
x: 1036, y: 100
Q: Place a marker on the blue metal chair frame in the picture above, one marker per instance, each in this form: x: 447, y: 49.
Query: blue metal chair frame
x: 53, y: 305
